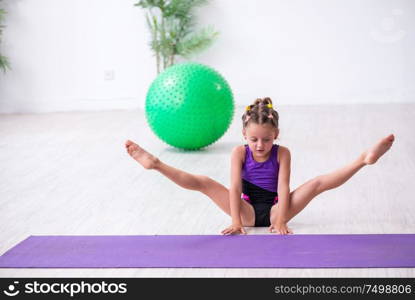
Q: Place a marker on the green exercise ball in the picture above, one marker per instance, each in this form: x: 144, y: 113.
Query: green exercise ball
x: 189, y: 106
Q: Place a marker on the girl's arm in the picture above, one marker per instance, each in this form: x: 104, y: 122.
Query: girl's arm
x: 235, y: 191
x: 283, y: 185
x: 236, y: 185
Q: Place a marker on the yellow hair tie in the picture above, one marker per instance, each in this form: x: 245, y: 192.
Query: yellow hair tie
x: 269, y: 105
x: 248, y: 108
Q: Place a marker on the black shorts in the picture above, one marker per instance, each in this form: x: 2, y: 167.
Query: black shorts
x: 262, y: 214
x: 261, y: 200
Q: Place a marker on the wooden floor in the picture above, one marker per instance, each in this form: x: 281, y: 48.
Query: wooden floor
x: 68, y: 174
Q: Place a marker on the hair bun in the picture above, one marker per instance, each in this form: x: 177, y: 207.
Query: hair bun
x: 263, y: 101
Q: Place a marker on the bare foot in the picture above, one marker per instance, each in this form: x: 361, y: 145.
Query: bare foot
x: 373, y: 154
x: 147, y: 160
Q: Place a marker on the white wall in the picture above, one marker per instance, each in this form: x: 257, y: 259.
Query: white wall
x: 297, y: 52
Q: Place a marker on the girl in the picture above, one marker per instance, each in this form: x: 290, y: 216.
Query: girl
x: 259, y: 194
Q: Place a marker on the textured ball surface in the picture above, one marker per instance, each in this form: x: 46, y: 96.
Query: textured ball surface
x: 189, y: 106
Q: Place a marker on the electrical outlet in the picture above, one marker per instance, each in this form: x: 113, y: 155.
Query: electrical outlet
x: 109, y: 75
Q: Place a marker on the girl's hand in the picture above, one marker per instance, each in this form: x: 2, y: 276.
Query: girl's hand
x: 234, y: 229
x: 280, y: 228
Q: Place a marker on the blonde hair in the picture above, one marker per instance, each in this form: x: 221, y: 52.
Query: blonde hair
x: 260, y: 112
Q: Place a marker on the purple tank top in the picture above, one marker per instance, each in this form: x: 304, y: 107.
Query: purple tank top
x: 263, y: 174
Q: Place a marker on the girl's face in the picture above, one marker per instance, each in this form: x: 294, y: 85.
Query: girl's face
x: 260, y: 138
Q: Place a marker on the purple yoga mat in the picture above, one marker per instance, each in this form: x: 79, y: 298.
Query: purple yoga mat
x: 214, y: 251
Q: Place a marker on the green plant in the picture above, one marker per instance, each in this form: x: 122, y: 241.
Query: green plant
x: 4, y: 62
x: 172, y: 25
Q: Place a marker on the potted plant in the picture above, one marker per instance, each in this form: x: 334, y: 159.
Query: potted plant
x: 4, y: 62
x: 172, y: 26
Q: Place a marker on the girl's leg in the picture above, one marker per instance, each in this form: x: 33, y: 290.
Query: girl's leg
x: 300, y: 197
x: 211, y: 188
